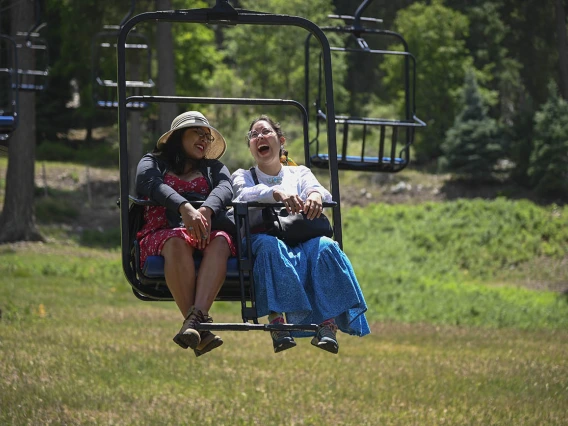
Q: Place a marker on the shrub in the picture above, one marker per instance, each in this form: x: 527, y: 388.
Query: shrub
x: 105, y: 239
x: 437, y: 262
x: 51, y: 210
x: 472, y: 146
x: 549, y: 160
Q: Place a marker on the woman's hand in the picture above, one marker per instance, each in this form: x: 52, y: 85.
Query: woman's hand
x: 292, y: 202
x: 207, y: 213
x: 196, y: 223
x: 313, y: 207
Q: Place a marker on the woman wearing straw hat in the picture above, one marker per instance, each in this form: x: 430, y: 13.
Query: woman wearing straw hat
x: 185, y: 161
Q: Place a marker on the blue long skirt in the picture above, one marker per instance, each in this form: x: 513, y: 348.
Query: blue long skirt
x: 311, y: 283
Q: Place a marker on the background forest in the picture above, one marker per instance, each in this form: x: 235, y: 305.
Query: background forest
x: 491, y: 76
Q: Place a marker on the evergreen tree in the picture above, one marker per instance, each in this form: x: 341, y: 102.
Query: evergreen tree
x: 548, y: 169
x: 436, y: 36
x: 472, y: 145
x: 521, y: 135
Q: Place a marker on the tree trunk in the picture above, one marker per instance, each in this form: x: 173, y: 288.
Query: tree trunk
x: 166, y: 68
x: 17, y: 222
x: 562, y: 47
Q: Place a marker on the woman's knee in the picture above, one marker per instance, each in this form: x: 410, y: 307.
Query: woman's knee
x: 218, y: 246
x: 326, y: 243
x: 176, y: 247
x: 264, y: 243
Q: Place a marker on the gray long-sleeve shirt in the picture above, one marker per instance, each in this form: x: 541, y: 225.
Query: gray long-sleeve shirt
x: 150, y: 182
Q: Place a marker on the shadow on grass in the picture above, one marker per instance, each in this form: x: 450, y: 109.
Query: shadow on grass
x: 94, y: 238
x: 491, y: 189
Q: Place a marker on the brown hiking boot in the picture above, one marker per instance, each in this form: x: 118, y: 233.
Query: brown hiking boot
x: 209, y: 341
x: 188, y: 336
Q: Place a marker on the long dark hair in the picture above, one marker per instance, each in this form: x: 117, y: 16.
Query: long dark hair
x: 174, y: 155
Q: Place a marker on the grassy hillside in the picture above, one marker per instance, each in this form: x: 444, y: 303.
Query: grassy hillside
x: 77, y: 348
x: 469, y: 325
x: 456, y: 262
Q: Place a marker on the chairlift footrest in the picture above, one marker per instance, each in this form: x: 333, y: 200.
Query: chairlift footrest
x: 258, y: 327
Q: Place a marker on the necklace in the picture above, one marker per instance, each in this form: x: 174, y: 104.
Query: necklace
x: 277, y: 180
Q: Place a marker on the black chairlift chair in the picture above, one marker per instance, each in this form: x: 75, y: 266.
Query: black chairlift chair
x: 149, y: 283
x: 32, y: 45
x: 391, y: 152
x: 8, y: 89
x: 139, y: 63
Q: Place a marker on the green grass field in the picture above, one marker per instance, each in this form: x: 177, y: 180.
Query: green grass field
x: 458, y: 337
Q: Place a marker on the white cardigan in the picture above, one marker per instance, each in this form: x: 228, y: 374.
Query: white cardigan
x: 295, y: 180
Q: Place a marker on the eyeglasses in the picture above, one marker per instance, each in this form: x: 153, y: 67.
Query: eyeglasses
x: 253, y: 134
x: 204, y: 135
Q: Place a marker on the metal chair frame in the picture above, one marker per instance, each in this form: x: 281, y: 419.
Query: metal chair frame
x: 9, y: 71
x: 222, y: 13
x: 387, y: 159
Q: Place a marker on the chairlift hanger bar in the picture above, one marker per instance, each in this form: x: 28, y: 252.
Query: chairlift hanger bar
x: 351, y: 18
x: 232, y: 101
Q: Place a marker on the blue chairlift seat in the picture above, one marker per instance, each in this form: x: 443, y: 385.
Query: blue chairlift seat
x: 151, y: 274
x: 7, y: 123
x: 353, y: 162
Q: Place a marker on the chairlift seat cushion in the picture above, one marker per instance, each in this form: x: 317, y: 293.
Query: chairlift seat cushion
x: 359, y: 159
x: 355, y: 162
x: 154, y: 267
x: 7, y: 122
x: 152, y: 274
x: 129, y: 105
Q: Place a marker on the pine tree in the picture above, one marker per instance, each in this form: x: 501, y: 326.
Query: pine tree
x: 472, y: 145
x: 548, y: 169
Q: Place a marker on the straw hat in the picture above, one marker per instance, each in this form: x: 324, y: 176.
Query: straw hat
x: 196, y: 119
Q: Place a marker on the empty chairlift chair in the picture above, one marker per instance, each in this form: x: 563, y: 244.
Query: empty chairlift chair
x: 139, y: 63
x: 33, y: 54
x: 8, y: 89
x: 138, y: 60
x: 389, y: 150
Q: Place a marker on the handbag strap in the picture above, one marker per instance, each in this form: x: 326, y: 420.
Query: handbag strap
x: 266, y: 210
x: 254, y: 176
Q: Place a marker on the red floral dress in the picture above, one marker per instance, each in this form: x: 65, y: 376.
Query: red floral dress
x: 156, y: 232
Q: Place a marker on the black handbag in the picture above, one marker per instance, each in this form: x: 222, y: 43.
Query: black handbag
x: 293, y: 229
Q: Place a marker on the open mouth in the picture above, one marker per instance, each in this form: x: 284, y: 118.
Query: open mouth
x: 263, y: 148
x: 200, y: 147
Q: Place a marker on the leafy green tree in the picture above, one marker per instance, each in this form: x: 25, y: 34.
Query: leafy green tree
x: 549, y: 160
x: 532, y: 41
x: 472, y: 146
x: 270, y: 59
x: 195, y: 52
x: 436, y: 36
